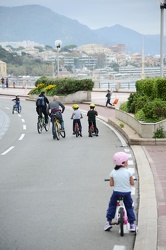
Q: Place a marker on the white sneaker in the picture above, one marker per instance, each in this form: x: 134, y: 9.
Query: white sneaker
x: 107, y: 226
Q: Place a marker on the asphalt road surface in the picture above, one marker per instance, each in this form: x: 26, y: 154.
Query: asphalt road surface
x: 52, y: 193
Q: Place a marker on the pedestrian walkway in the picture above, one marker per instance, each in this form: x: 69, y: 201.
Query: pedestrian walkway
x: 152, y: 179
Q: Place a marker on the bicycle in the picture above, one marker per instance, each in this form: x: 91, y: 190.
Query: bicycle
x: 57, y: 131
x: 16, y: 107
x: 92, y: 130
x: 77, y: 131
x: 41, y: 124
x: 121, y: 216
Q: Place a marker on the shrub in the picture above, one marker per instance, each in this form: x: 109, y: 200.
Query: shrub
x: 50, y: 90
x: 140, y: 115
x: 123, y: 107
x: 155, y: 110
x: 161, y: 88
x: 61, y: 86
x: 147, y: 87
x: 159, y: 133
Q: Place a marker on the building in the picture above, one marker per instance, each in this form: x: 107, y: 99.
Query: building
x: 3, y: 69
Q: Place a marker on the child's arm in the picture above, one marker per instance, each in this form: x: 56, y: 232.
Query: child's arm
x: 131, y: 181
x: 111, y: 182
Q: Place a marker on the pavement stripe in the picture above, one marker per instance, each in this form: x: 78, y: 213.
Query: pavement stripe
x: 4, y: 123
x: 116, y: 247
x: 21, y: 137
x: 8, y: 150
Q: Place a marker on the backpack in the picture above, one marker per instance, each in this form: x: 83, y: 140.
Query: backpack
x: 40, y: 101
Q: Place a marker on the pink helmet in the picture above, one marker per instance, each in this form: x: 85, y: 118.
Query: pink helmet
x: 119, y: 158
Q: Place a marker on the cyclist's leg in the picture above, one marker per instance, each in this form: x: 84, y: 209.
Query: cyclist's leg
x: 61, y: 121
x: 111, y: 207
x: 74, y: 122
x: 129, y: 208
x: 90, y: 124
x: 39, y: 111
x: 44, y: 111
x: 79, y: 124
x: 53, y: 129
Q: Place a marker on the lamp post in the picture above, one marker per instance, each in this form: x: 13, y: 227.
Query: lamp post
x: 162, y: 7
x: 58, y: 44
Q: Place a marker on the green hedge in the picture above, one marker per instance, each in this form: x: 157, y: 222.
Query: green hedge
x: 148, y: 104
x: 61, y: 86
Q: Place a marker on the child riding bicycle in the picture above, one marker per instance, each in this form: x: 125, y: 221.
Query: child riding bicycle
x: 76, y: 116
x: 17, y: 102
x: 92, y: 113
x: 121, y: 179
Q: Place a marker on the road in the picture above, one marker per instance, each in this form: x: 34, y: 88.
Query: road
x: 52, y: 193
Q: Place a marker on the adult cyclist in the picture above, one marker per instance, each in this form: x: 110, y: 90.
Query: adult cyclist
x: 56, y: 107
x: 41, y: 106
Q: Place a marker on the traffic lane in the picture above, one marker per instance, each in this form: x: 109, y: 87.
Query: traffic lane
x: 55, y: 190
x: 12, y: 126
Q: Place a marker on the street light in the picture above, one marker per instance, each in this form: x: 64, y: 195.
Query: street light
x: 58, y: 44
x: 162, y: 7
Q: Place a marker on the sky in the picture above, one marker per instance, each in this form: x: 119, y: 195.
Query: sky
x: 142, y: 16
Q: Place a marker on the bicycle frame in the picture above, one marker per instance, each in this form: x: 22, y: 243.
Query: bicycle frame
x: 92, y: 131
x: 119, y: 205
x: 57, y: 132
x: 121, y: 217
x: 16, y: 107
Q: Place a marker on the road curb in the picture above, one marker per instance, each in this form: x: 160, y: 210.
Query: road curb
x: 147, y: 214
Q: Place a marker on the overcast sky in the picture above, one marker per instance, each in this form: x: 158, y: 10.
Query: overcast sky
x: 142, y: 16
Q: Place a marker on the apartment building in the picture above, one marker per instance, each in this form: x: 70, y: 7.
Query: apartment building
x: 3, y: 69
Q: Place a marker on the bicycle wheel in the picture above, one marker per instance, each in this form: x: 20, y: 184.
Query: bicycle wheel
x: 62, y: 133
x: 39, y: 127
x: 57, y: 128
x: 121, y: 222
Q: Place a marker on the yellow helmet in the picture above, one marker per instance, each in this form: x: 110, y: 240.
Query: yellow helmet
x: 75, y: 106
x: 92, y: 105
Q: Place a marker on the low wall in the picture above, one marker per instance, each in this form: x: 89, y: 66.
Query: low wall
x: 78, y: 97
x: 144, y: 130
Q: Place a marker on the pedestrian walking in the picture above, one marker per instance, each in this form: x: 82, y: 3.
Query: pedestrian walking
x: 108, y: 95
x: 7, y: 83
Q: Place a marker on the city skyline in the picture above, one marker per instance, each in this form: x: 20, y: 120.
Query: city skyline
x: 141, y: 16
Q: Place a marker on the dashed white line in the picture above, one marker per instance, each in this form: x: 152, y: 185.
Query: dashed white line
x: 8, y: 150
x: 22, y: 120
x: 21, y: 137
x: 24, y: 127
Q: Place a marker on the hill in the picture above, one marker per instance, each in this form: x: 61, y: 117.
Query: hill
x: 42, y: 25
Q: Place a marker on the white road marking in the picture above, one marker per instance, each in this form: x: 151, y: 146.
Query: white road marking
x: 22, y: 120
x: 24, y: 127
x: 21, y: 137
x: 7, y: 108
x: 130, y: 162
x: 116, y: 247
x: 8, y: 150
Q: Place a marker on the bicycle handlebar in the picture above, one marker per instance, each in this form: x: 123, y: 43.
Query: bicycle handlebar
x: 109, y: 179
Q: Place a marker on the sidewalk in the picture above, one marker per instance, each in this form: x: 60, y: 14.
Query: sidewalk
x: 152, y: 179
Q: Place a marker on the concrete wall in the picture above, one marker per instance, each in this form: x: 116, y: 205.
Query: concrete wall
x: 144, y: 130
x: 78, y: 97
